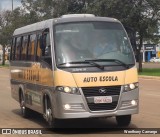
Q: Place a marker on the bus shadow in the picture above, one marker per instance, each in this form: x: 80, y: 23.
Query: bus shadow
x: 90, y: 126
x: 34, y: 117
x: 78, y: 126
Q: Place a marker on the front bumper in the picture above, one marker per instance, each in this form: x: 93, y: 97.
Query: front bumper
x: 79, y: 107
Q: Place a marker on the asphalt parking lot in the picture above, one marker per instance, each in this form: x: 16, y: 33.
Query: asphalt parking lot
x: 148, y: 117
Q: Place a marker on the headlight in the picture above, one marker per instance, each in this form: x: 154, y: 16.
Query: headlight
x: 131, y: 86
x: 67, y: 89
x: 71, y: 90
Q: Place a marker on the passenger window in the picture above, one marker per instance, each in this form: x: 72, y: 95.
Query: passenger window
x: 12, y: 55
x: 24, y: 47
x: 31, y: 47
x: 38, y: 50
x: 18, y: 48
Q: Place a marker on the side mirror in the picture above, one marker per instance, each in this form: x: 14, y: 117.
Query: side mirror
x: 43, y: 39
x: 42, y: 43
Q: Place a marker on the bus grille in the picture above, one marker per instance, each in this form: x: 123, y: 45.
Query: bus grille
x: 98, y: 107
x: 94, y: 91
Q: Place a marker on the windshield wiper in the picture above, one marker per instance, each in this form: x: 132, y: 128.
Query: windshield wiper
x: 73, y: 62
x: 91, y: 62
x: 111, y: 60
x: 95, y: 64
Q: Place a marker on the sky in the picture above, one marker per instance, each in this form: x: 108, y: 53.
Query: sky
x: 7, y: 4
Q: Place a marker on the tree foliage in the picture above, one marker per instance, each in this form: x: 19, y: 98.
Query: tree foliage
x: 141, y: 15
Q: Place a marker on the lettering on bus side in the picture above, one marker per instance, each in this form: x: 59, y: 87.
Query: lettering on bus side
x: 101, y: 79
x: 29, y: 75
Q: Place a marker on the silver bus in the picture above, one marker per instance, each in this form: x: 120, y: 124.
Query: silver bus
x: 74, y: 66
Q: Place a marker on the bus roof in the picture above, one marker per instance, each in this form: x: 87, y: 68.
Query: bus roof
x: 33, y: 27
x: 63, y: 19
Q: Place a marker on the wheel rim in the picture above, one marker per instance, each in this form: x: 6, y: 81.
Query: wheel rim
x: 49, y: 114
x: 22, y: 105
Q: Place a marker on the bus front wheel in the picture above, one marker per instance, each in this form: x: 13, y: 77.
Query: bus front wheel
x: 123, y: 120
x: 48, y: 115
x: 25, y: 112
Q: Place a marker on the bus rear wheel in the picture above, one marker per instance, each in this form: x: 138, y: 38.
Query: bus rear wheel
x: 123, y: 120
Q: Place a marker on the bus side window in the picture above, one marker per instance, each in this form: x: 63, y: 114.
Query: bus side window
x: 38, y: 49
x: 31, y: 47
x: 11, y: 50
x: 24, y: 47
x: 45, y: 43
x: 12, y: 55
x: 45, y: 47
x: 18, y: 48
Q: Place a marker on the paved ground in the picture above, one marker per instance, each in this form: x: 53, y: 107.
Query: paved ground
x: 149, y: 116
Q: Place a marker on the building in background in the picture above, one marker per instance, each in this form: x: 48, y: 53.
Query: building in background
x: 7, y: 53
x: 158, y: 50
x: 149, y: 51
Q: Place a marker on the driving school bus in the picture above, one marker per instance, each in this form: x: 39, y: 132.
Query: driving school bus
x: 74, y: 66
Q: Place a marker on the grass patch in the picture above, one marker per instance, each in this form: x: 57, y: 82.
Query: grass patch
x: 150, y: 72
x: 6, y: 65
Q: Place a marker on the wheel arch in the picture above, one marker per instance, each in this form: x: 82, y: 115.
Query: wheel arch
x: 46, y: 95
x: 20, y: 91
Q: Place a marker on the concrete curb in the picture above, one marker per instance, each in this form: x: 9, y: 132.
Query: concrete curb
x: 149, y: 77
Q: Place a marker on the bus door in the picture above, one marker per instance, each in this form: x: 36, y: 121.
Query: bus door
x: 44, y: 78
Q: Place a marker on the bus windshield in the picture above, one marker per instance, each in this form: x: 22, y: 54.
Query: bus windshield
x: 81, y: 41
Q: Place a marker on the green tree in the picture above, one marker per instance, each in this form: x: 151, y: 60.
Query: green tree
x: 141, y: 15
x: 54, y: 8
x: 4, y: 21
x: 44, y: 9
x: 10, y: 20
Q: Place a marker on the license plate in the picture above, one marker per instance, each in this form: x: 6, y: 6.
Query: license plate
x: 103, y: 99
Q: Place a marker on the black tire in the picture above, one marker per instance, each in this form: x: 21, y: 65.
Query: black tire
x: 123, y: 120
x: 25, y: 112
x: 49, y: 114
